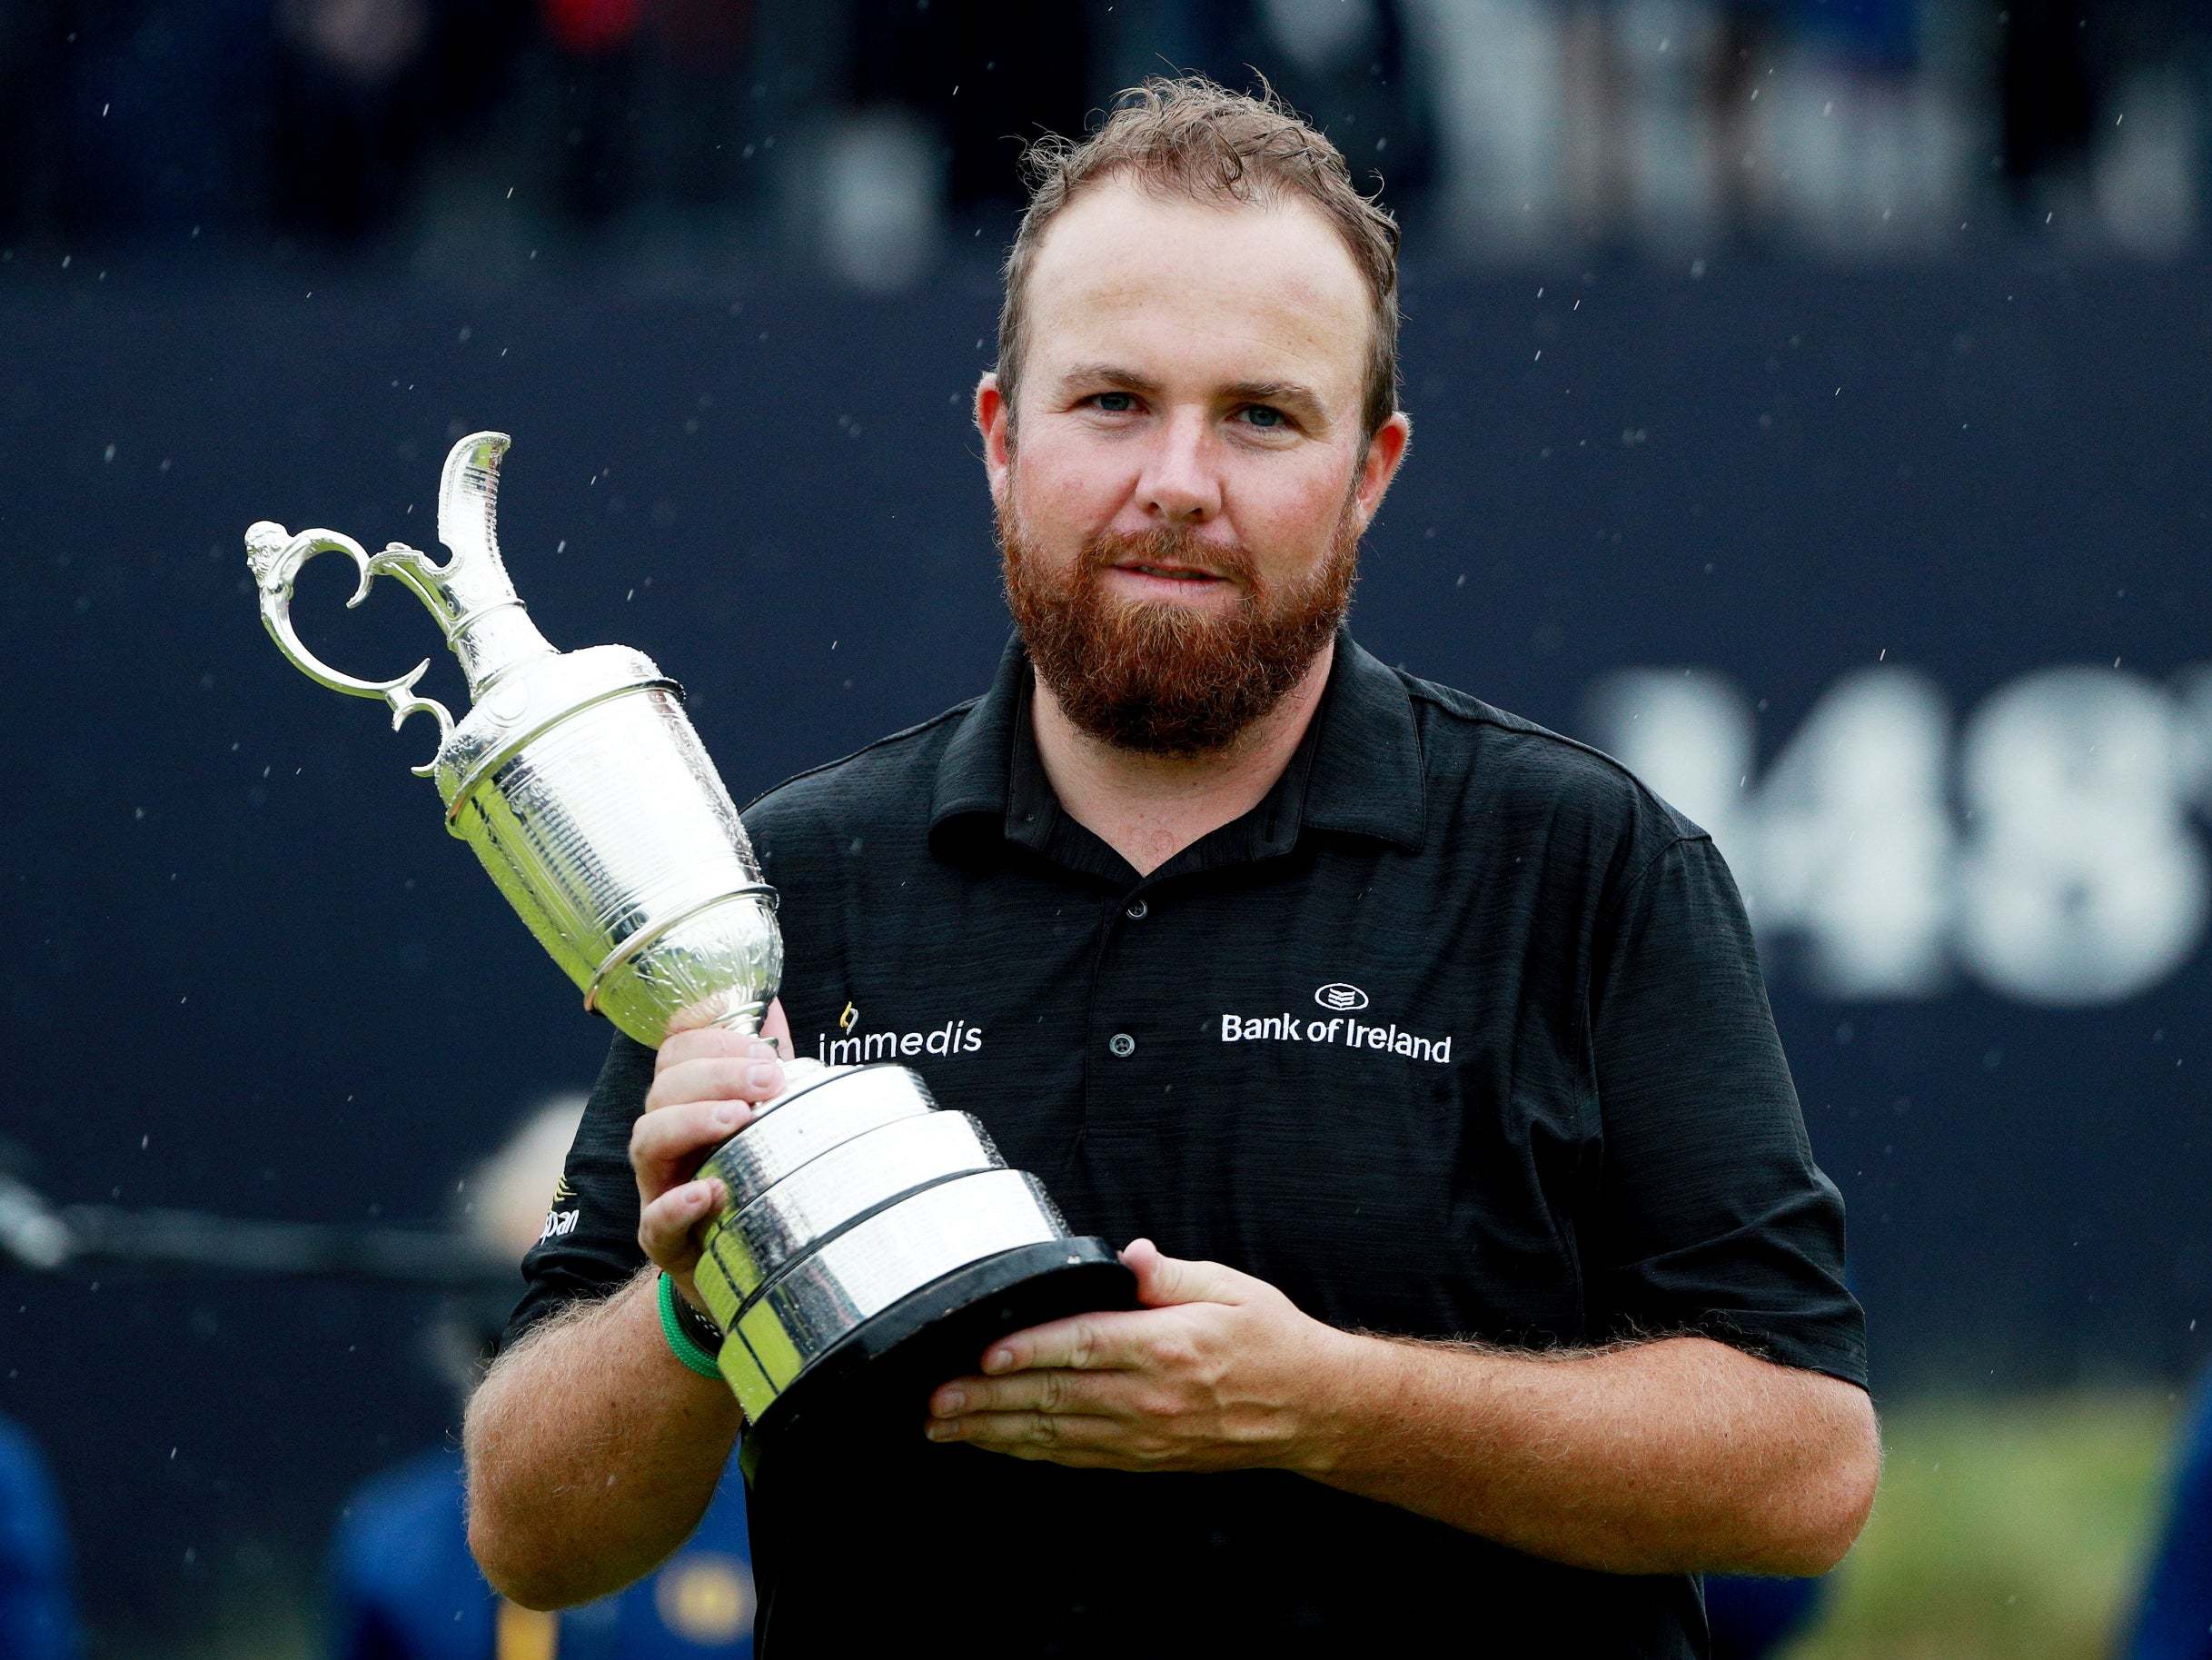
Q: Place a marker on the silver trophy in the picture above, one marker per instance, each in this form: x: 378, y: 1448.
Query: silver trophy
x: 872, y: 1245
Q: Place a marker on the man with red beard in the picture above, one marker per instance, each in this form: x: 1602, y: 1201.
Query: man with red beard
x: 1495, y: 1290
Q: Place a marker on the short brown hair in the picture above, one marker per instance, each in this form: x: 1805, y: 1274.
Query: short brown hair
x: 1189, y: 137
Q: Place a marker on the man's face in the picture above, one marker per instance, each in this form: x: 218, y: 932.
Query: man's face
x: 1182, y: 490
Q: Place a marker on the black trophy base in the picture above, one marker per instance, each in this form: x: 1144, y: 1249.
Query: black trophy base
x: 875, y: 1381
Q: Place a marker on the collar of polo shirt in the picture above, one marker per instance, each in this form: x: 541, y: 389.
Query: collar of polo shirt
x: 1357, y: 770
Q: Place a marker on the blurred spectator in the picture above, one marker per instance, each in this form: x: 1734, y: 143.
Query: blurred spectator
x: 1740, y: 163
x: 1753, y: 1618
x: 36, y: 1621
x: 350, y: 115
x: 360, y: 92
x: 1598, y: 190
x: 2047, y: 101
x: 403, y: 1583
x: 874, y: 135
x: 2173, y: 1617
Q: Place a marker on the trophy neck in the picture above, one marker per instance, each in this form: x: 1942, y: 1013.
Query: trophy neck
x: 494, y: 641
x: 472, y: 596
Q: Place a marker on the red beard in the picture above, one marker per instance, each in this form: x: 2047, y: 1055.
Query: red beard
x: 1167, y: 679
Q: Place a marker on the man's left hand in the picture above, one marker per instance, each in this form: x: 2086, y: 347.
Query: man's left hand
x: 1218, y: 1371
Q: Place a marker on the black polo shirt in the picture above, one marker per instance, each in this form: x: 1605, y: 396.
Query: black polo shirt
x: 1458, y: 1032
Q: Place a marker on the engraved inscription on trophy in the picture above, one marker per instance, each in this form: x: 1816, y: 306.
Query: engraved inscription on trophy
x: 871, y: 1245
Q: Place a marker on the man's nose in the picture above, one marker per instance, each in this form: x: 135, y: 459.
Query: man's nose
x: 1180, y: 484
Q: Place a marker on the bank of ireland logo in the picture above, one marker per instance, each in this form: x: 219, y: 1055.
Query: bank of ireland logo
x: 1341, y: 997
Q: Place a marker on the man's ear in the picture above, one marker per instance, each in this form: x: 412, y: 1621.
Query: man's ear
x: 994, y: 423
x: 1386, y: 450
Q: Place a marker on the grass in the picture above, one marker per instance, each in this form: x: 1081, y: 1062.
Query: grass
x: 2004, y: 1528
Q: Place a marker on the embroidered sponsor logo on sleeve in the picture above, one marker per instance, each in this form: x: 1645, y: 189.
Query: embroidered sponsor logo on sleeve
x: 1339, y: 1030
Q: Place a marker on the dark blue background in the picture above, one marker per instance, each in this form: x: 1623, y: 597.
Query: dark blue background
x: 250, y: 973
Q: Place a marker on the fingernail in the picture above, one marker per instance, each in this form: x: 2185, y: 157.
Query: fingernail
x: 761, y: 1048
x: 709, y: 1194
x: 939, y: 1430
x: 764, y: 1075
x: 726, y: 1117
x: 998, y: 1360
x: 949, y: 1401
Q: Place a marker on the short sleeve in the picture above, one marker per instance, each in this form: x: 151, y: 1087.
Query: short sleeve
x: 1711, y: 1215
x: 590, y: 1247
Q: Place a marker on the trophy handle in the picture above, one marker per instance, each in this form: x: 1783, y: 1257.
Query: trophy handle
x: 277, y: 562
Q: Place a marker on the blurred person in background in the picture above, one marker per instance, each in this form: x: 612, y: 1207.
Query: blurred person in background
x: 1753, y: 1617
x: 37, y: 1618
x: 2048, y: 100
x: 2172, y: 1615
x: 1187, y: 789
x: 1598, y: 174
x: 403, y: 1585
x: 1742, y: 169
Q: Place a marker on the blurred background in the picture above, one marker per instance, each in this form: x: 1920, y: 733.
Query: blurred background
x: 1810, y: 397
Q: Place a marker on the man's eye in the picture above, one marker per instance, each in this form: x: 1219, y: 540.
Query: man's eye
x: 1265, y: 417
x: 1114, y: 403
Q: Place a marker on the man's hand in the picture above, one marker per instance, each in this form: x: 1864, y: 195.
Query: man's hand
x: 1213, y: 1373
x: 705, y: 1084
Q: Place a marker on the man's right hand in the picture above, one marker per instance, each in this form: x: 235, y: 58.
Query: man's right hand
x: 705, y: 1084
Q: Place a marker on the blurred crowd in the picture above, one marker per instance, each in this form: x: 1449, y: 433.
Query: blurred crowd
x: 871, y: 136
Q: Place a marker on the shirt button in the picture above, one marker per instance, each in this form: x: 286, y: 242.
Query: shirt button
x: 1122, y: 1044
x: 1138, y: 910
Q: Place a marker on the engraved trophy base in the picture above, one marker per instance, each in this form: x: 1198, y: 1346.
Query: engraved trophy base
x: 875, y: 1381
x: 871, y: 1248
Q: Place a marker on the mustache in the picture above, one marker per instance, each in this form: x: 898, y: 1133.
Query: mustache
x: 1167, y: 545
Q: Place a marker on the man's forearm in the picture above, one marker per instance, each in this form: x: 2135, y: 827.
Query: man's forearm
x: 1683, y: 1455
x: 591, y: 1452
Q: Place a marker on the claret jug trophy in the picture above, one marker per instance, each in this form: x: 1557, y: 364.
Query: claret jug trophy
x: 872, y: 1246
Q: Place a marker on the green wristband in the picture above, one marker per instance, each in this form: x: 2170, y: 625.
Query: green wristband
x: 681, y: 1343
